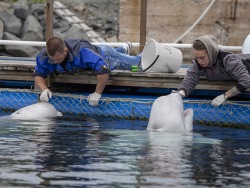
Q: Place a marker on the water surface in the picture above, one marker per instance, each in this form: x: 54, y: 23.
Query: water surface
x: 88, y: 152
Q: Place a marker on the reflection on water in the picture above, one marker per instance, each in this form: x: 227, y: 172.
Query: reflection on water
x: 119, y: 153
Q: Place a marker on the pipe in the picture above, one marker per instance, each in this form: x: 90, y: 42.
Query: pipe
x: 117, y: 44
x: 35, y: 43
x: 21, y: 43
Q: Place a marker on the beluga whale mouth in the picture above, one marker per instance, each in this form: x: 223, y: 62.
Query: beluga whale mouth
x: 41, y: 110
x: 167, y: 114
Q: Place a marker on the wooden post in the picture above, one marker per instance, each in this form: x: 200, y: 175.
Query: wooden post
x: 143, y: 24
x: 49, y: 28
x: 49, y: 18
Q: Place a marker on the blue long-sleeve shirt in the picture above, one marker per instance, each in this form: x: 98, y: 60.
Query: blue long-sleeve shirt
x: 81, y: 55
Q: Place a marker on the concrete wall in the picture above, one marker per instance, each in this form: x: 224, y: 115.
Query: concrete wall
x: 167, y: 20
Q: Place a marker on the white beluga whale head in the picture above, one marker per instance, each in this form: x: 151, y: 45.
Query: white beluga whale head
x: 41, y: 110
x: 167, y: 114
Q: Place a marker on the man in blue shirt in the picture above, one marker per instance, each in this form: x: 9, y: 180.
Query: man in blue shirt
x: 72, y: 55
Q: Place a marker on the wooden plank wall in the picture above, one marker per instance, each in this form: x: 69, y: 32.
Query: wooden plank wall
x: 228, y: 20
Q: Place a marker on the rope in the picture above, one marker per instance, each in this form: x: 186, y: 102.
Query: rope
x: 196, y: 22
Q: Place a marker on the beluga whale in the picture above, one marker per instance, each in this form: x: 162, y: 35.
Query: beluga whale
x: 41, y: 110
x: 168, y: 114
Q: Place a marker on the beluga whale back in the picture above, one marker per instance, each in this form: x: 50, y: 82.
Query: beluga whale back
x: 41, y: 110
x: 167, y: 114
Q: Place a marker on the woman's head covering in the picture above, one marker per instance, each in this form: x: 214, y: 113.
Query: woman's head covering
x: 211, y: 44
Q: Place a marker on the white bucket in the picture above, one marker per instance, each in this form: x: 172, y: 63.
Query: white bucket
x: 246, y: 45
x: 157, y: 57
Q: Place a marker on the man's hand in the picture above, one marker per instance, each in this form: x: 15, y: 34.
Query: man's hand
x: 218, y: 100
x: 45, y: 95
x: 181, y: 92
x: 94, y: 98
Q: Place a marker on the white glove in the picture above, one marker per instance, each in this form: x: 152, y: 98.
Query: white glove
x: 181, y: 92
x: 218, y: 100
x: 45, y: 95
x: 94, y: 98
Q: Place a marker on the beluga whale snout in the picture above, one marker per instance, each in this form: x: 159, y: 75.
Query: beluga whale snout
x: 41, y: 110
x: 167, y: 114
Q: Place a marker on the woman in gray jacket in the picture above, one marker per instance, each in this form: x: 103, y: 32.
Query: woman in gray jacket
x: 216, y: 64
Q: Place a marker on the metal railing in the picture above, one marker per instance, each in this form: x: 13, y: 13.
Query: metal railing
x: 114, y: 44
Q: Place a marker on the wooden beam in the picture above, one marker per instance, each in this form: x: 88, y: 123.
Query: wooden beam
x: 49, y: 29
x: 22, y: 71
x: 49, y: 18
x: 143, y: 24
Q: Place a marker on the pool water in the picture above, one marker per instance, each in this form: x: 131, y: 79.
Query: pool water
x: 88, y: 152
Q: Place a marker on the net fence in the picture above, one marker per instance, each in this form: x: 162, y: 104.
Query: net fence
x: 233, y: 114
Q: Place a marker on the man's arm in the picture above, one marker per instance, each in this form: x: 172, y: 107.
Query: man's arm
x: 41, y: 82
x: 46, y: 93
x: 102, y: 80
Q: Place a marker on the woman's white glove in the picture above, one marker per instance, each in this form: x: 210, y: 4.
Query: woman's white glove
x: 94, y: 98
x: 45, y: 95
x: 181, y: 92
x: 218, y: 100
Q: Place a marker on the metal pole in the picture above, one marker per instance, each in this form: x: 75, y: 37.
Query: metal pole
x: 143, y: 24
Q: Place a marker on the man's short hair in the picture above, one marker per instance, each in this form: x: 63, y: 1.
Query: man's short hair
x: 198, y: 45
x: 55, y: 45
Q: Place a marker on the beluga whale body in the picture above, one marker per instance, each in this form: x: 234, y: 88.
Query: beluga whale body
x: 167, y: 114
x: 41, y: 110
